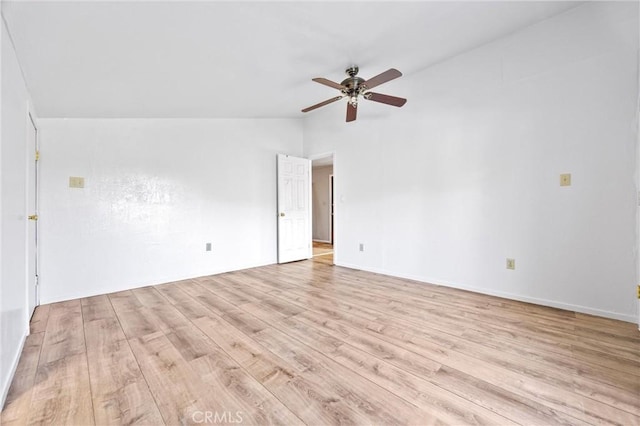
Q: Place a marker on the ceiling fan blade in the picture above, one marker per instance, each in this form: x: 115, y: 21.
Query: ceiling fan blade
x: 321, y: 104
x: 328, y: 83
x: 352, y: 112
x: 385, y: 99
x: 388, y: 75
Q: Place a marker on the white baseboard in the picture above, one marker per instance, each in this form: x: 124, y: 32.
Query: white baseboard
x: 322, y: 241
x: 14, y: 366
x: 506, y: 295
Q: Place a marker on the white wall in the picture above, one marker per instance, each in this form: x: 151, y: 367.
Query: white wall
x: 156, y: 191
x: 321, y: 203
x: 638, y: 183
x: 13, y: 225
x: 5, y: 372
x: 467, y: 173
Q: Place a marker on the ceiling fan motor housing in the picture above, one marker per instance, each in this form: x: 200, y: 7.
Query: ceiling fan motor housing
x: 353, y: 86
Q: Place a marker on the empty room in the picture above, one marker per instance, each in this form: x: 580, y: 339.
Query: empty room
x: 319, y: 213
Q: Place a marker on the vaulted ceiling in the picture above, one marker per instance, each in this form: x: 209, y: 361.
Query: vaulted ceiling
x: 237, y: 59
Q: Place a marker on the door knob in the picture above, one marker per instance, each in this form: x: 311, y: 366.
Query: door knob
x: 33, y: 217
x: 281, y: 214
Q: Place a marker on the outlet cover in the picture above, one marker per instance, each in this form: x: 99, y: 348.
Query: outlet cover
x: 565, y: 179
x: 511, y: 264
x: 76, y: 182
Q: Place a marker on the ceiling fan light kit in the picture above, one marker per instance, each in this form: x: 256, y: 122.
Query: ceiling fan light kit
x: 354, y: 87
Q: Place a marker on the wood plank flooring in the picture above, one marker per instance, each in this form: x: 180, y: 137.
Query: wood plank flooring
x: 310, y: 343
x: 323, y: 253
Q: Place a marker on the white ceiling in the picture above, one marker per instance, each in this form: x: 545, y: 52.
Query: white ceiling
x: 236, y: 59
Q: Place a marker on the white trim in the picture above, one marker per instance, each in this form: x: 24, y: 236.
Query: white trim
x: 12, y: 372
x: 322, y: 241
x: 335, y: 208
x: 323, y: 155
x: 505, y: 295
x: 310, y: 207
x: 331, y: 206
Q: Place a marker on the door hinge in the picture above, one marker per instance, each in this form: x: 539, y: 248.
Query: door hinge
x: 37, y: 155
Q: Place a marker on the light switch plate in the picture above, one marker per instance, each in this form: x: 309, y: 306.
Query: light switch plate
x: 511, y: 264
x: 565, y: 179
x: 76, y: 182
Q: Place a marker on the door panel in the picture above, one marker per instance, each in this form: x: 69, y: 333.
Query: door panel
x: 294, y: 208
x: 32, y: 209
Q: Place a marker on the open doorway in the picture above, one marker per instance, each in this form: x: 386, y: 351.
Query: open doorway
x: 322, y: 178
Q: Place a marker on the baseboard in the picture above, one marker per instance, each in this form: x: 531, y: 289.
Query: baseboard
x: 322, y: 241
x: 505, y: 295
x: 14, y: 366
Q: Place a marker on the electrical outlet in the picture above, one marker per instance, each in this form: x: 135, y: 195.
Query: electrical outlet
x: 361, y: 247
x: 76, y: 182
x: 511, y: 264
x: 208, y: 247
x: 565, y: 179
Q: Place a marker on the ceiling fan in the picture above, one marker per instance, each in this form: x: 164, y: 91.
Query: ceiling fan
x: 353, y: 87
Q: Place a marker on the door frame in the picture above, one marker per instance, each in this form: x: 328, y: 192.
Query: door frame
x: 333, y: 228
x: 332, y: 209
x: 31, y: 120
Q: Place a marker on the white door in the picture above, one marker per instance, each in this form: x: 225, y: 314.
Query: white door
x: 294, y: 208
x: 32, y: 209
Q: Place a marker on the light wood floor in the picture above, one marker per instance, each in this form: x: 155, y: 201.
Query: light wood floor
x: 311, y: 343
x: 323, y: 253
